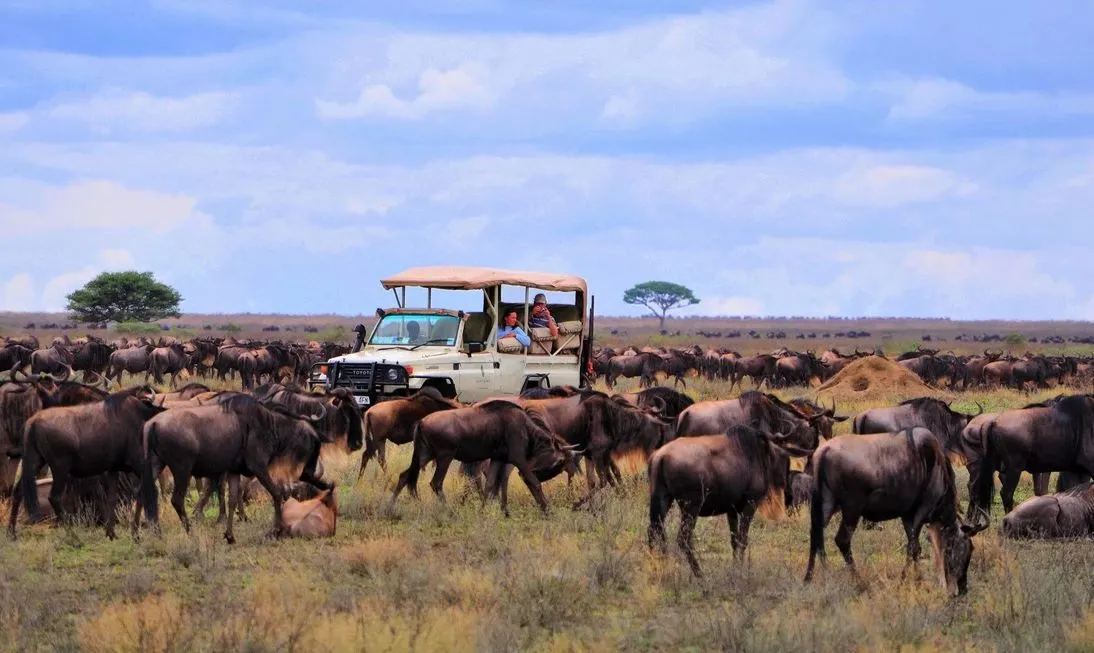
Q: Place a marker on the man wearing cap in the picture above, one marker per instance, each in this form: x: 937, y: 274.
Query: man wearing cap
x: 541, y: 317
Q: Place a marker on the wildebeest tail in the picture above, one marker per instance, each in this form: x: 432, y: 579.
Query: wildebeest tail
x: 816, y: 506
x: 149, y: 493
x: 660, y: 499
x: 856, y: 425
x: 415, y: 457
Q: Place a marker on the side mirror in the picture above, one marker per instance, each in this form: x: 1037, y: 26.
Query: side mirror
x: 476, y: 347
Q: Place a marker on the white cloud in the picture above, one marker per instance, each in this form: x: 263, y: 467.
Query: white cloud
x: 115, y: 109
x: 945, y: 99
x: 894, y: 185
x: 56, y: 290
x: 731, y: 305
x: 438, y: 90
x: 19, y: 293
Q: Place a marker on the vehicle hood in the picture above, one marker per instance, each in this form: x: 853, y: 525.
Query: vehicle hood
x: 400, y: 356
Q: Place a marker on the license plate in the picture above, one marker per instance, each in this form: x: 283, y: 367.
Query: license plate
x: 362, y: 400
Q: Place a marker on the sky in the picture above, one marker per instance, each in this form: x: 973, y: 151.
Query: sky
x: 789, y: 157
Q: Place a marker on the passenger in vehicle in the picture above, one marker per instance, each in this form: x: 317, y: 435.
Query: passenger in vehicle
x: 512, y: 330
x: 541, y: 316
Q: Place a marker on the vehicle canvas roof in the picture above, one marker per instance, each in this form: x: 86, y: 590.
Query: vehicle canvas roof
x: 477, y: 278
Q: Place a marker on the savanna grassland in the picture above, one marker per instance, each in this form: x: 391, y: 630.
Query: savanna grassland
x: 459, y: 577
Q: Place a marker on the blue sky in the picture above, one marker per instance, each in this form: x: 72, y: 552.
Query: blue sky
x: 793, y: 157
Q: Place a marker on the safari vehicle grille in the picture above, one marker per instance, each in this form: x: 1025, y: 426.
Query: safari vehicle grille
x: 359, y: 376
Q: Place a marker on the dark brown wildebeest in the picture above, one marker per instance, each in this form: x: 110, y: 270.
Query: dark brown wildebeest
x: 825, y: 419
x: 14, y: 356
x: 931, y: 413
x: 91, y: 357
x: 393, y: 421
x: 797, y: 369
x: 759, y: 368
x: 55, y: 359
x: 203, y: 355
x: 81, y: 441
x: 756, y: 409
x: 644, y: 365
x: 539, y: 392
x: 668, y: 401
x: 133, y: 360
x: 678, y: 362
x: 341, y: 422
x: 883, y: 476
x: 171, y: 359
x: 1052, y: 438
x: 1065, y: 514
x: 239, y: 436
x: 800, y: 492
x: 724, y: 474
x: 497, y: 430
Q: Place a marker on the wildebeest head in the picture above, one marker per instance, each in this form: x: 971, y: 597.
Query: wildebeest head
x: 824, y: 419
x: 953, y: 548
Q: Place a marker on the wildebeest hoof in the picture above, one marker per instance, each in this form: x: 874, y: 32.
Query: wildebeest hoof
x: 229, y: 538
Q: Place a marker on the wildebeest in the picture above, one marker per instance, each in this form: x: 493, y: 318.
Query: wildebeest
x: 825, y: 419
x: 757, y: 409
x: 315, y: 517
x: 91, y: 357
x: 883, y: 476
x: 1056, y: 438
x: 644, y: 365
x: 55, y: 359
x: 393, y: 421
x: 800, y: 491
x: 1062, y: 515
x: 341, y: 422
x: 930, y: 413
x: 759, y: 368
x: 539, y: 392
x: 721, y: 474
x: 80, y: 441
x: 171, y: 359
x: 239, y: 436
x: 14, y: 356
x: 133, y: 360
x: 498, y: 430
x: 670, y: 402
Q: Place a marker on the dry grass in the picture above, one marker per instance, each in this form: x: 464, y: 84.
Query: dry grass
x: 425, y: 576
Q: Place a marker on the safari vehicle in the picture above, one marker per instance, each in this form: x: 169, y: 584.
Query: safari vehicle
x: 456, y: 351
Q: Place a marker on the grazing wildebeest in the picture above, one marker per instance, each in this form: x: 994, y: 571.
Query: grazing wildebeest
x: 723, y: 474
x: 1056, y: 438
x: 341, y: 422
x: 644, y: 365
x: 91, y: 357
x: 239, y: 436
x: 498, y: 430
x: 133, y: 360
x: 931, y: 413
x: 171, y: 359
x: 393, y: 421
x: 800, y: 491
x: 883, y: 476
x: 80, y: 441
x: 757, y: 409
x: 1065, y: 514
x: 759, y: 368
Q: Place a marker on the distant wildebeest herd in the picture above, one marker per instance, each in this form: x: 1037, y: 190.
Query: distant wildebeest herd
x: 104, y: 446
x: 784, y: 368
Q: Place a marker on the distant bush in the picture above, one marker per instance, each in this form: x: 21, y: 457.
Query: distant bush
x: 1014, y: 339
x: 136, y: 328
x: 231, y: 327
x: 334, y: 334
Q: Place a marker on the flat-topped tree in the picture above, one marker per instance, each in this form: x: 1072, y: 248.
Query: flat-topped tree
x: 660, y: 297
x: 124, y: 297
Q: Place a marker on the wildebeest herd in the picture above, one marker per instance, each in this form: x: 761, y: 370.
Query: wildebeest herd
x: 102, y: 446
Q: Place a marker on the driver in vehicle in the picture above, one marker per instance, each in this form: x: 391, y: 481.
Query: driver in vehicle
x: 511, y: 330
x: 413, y: 331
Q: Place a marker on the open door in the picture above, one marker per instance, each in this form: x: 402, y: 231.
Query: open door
x: 586, y: 375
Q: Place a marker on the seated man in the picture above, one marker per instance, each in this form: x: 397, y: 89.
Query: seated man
x: 511, y: 330
x: 413, y: 330
x: 541, y: 317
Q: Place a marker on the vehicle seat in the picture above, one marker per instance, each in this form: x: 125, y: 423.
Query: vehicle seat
x: 476, y: 328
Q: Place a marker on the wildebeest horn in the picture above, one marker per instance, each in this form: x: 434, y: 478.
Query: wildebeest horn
x: 26, y: 378
x: 658, y: 408
x: 68, y: 373
x: 981, y: 407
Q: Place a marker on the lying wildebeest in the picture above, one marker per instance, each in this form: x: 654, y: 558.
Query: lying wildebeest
x: 1062, y: 515
x: 315, y: 517
x: 239, y: 436
x: 496, y: 430
x: 727, y: 474
x: 102, y: 437
x: 394, y: 420
x: 539, y: 392
x: 1056, y: 438
x: 883, y: 476
x: 930, y: 413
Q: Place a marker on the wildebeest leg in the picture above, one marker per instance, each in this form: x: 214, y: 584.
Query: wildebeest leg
x: 178, y: 496
x: 1010, y: 475
x: 739, y: 539
x: 16, y: 501
x: 1040, y: 483
x: 110, y: 503
x: 276, y: 493
x: 233, y: 504
x: 912, y: 527
x: 437, y: 484
x: 684, y: 538
x: 660, y: 504
x: 533, y: 485
x: 848, y: 522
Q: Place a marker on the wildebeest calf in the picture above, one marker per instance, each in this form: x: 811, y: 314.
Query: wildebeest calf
x: 1061, y: 515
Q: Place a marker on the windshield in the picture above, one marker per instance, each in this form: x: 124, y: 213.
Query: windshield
x: 416, y: 329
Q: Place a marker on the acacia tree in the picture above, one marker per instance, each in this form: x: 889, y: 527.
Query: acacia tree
x: 124, y: 297
x: 660, y: 297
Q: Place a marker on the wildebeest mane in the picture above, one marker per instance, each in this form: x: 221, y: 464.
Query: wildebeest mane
x: 1076, y: 411
x: 115, y: 401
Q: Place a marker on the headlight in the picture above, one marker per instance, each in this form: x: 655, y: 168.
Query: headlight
x: 393, y: 374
